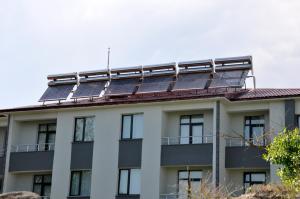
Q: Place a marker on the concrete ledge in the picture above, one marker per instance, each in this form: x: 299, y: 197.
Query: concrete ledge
x: 187, y: 154
x: 82, y: 155
x: 245, y: 157
x: 127, y: 196
x: 130, y: 153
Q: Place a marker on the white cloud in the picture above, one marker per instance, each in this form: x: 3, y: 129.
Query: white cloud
x: 42, y: 37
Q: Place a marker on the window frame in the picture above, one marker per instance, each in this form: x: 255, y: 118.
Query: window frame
x: 83, y: 132
x: 43, y: 184
x: 47, y: 132
x: 251, y: 126
x: 253, y: 182
x: 80, y: 182
x: 190, y: 124
x: 128, y: 182
x: 189, y: 174
x: 131, y: 126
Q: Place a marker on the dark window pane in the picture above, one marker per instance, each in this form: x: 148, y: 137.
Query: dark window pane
x: 89, y: 129
x: 37, y: 188
x: 135, y: 181
x: 197, y: 119
x: 185, y: 119
x: 43, y: 127
x: 123, y: 183
x: 79, y: 129
x: 86, y: 183
x: 138, y: 126
x: 52, y: 127
x: 47, y: 190
x: 47, y: 178
x: 38, y: 179
x: 126, y: 126
x: 75, y: 183
x: 184, y: 134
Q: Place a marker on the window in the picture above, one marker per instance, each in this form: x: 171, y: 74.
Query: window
x: 132, y: 126
x: 254, y: 130
x: 84, y: 129
x: 129, y: 182
x: 253, y: 178
x: 189, y: 180
x: 191, y: 129
x: 42, y: 184
x: 46, y: 136
x: 80, y: 183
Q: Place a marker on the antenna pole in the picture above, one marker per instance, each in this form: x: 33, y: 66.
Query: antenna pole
x: 108, y: 56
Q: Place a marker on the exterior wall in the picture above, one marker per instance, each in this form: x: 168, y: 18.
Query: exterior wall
x: 160, y: 119
x: 277, y: 124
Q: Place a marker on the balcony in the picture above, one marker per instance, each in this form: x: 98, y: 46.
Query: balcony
x: 31, y: 157
x: 245, y: 154
x: 192, y: 150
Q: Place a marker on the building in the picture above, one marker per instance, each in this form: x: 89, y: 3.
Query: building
x: 144, y: 132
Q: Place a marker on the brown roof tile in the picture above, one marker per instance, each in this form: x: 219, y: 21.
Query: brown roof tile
x: 230, y: 94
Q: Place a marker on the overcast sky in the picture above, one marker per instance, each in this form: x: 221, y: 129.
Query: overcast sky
x: 41, y: 37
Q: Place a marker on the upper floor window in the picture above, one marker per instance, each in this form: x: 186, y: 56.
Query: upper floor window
x: 254, y: 129
x: 80, y: 183
x: 132, y: 126
x: 46, y: 136
x: 189, y: 180
x: 42, y: 184
x: 129, y: 182
x: 251, y: 178
x: 191, y: 129
x: 84, y: 129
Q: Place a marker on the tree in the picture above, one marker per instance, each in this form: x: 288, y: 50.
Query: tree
x: 285, y: 151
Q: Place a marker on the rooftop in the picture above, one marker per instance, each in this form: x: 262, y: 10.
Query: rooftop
x: 242, y: 95
x: 221, y: 77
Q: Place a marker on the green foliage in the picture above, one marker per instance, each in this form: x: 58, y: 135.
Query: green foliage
x: 285, y: 151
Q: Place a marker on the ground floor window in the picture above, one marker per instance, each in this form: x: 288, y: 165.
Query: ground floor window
x: 80, y: 183
x: 42, y: 184
x: 252, y: 178
x: 189, y: 182
x: 129, y: 182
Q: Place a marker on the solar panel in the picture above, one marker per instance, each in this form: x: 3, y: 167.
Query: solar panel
x: 122, y: 86
x: 89, y: 89
x: 57, y: 92
x: 155, y: 84
x: 191, y: 81
x: 229, y: 79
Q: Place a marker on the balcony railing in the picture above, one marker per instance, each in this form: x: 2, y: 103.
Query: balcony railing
x: 186, y: 140
x: 33, y: 147
x: 231, y: 142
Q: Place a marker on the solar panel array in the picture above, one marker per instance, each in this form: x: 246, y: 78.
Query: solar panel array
x: 203, y: 74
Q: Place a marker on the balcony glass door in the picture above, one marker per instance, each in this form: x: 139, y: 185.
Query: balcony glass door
x: 191, y: 129
x: 189, y: 184
x: 46, y: 137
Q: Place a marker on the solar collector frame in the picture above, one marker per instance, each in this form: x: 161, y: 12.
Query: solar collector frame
x: 92, y: 84
x: 60, y: 87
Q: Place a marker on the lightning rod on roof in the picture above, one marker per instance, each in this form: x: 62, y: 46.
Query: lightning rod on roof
x: 108, y: 56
